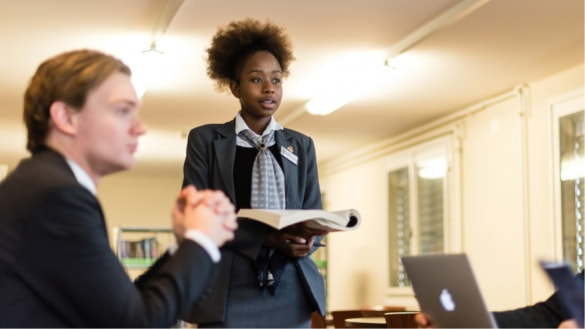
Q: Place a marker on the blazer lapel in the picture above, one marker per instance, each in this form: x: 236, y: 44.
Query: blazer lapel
x: 283, y: 140
x: 225, y: 155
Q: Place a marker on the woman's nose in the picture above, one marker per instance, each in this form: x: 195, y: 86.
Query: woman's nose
x: 267, y: 87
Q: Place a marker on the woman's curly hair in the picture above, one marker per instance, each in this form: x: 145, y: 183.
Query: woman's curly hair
x: 237, y: 41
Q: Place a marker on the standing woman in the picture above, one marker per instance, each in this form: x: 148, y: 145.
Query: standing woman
x: 266, y: 278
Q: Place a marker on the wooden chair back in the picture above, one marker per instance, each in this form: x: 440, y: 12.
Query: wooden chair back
x: 404, y: 319
x: 318, y: 320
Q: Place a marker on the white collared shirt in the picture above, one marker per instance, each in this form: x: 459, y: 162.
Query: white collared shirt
x: 83, y: 178
x: 241, y: 125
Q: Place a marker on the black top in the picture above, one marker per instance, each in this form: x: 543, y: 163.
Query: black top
x: 244, y: 163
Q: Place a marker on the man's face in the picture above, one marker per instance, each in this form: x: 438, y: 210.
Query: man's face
x: 108, y: 127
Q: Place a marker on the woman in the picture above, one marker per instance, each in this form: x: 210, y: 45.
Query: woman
x: 266, y: 278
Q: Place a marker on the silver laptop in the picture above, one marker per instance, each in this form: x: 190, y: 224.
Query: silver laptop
x: 447, y: 291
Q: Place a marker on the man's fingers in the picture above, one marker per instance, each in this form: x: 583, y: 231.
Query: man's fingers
x: 230, y: 224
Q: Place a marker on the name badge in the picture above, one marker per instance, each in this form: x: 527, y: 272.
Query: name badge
x: 289, y: 155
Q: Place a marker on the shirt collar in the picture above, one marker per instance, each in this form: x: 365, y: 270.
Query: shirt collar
x: 241, y: 125
x: 82, y: 176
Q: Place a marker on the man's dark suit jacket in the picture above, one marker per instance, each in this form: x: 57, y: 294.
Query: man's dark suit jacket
x: 547, y: 314
x: 57, y: 268
x: 210, y: 164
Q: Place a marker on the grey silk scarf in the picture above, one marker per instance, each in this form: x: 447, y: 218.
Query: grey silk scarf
x: 268, y: 190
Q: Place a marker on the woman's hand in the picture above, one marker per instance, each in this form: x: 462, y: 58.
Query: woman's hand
x: 293, y: 241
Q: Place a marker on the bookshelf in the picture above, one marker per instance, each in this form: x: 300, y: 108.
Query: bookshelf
x: 138, y: 248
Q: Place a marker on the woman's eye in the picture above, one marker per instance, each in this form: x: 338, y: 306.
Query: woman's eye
x: 276, y: 81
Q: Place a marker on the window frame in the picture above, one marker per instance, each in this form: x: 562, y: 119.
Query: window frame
x: 560, y: 107
x: 409, y: 157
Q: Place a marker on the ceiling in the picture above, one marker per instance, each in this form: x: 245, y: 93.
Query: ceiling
x: 487, y: 49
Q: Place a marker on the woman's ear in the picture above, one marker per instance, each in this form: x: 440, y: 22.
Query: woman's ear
x: 235, y: 88
x: 62, y: 117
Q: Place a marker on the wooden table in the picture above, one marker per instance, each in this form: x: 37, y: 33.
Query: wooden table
x: 370, y: 322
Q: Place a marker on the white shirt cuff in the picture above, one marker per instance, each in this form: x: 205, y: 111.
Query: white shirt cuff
x: 204, y: 242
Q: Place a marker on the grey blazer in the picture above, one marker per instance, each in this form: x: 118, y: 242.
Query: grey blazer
x: 209, y: 163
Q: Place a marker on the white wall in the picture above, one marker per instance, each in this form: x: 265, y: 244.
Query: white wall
x: 504, y: 207
x: 492, y: 199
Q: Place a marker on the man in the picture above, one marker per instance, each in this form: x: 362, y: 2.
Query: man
x: 56, y: 266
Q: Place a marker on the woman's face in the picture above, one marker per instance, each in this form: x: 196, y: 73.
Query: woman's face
x: 259, y: 88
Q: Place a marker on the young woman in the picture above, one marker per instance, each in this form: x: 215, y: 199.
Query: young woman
x: 266, y: 278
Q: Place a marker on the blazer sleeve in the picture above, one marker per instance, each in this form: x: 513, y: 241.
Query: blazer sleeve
x: 312, y: 198
x: 547, y: 314
x: 83, y: 280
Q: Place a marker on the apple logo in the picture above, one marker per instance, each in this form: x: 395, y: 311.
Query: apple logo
x: 447, y: 301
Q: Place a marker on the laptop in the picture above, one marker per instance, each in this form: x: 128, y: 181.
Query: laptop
x: 569, y: 289
x: 447, y: 292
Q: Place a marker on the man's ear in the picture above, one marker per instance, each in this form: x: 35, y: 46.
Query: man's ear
x: 235, y: 88
x: 62, y: 117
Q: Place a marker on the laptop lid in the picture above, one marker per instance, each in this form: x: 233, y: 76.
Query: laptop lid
x: 446, y: 291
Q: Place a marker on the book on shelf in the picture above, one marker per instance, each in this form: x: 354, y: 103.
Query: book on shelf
x: 330, y: 221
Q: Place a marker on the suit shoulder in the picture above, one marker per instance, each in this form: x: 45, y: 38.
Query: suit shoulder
x: 296, y: 134
x: 207, y: 126
x: 47, y: 168
x: 212, y: 129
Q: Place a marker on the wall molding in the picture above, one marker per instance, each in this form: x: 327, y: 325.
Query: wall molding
x: 448, y: 124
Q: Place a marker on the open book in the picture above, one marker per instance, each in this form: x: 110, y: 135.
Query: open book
x: 330, y: 221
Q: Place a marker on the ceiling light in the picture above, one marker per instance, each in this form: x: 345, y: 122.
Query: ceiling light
x: 340, y: 92
x: 145, y: 69
x: 361, y: 72
x: 326, y: 105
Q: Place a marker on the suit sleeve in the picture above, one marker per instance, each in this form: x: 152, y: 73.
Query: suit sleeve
x: 84, y: 278
x: 547, y: 314
x: 312, y: 199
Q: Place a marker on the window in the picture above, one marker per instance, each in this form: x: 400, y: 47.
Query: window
x: 417, y: 185
x: 568, y: 128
